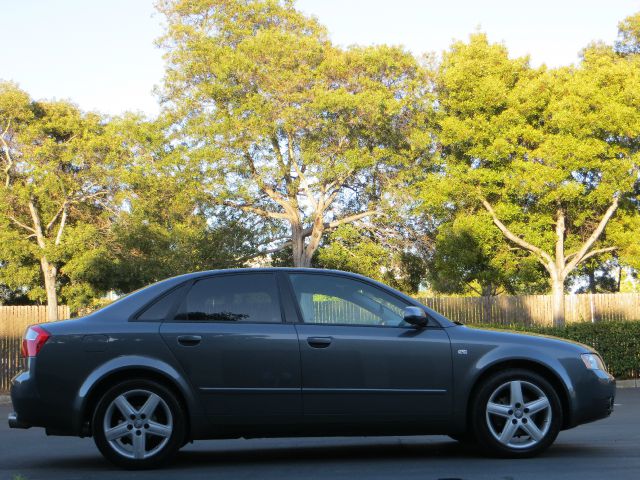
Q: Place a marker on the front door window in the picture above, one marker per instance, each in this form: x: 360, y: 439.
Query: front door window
x: 345, y: 301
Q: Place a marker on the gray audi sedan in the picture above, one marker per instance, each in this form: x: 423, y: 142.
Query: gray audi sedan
x: 295, y: 352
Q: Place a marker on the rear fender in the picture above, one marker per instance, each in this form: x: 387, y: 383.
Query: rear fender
x: 134, y: 363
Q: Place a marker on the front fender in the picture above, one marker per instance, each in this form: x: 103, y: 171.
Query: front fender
x: 121, y: 364
x: 486, y: 352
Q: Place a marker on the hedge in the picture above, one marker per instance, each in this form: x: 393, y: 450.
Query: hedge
x: 617, y: 342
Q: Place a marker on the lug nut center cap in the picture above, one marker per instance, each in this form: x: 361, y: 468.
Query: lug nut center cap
x: 518, y: 413
x: 137, y: 423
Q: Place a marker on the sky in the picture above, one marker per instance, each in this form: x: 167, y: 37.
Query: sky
x: 100, y: 54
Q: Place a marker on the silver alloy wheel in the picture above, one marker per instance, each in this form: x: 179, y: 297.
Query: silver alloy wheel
x: 138, y: 424
x: 518, y: 414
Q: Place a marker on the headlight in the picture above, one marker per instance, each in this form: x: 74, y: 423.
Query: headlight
x: 593, y: 362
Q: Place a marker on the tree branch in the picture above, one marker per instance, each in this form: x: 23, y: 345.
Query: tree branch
x: 275, y: 196
x: 276, y: 149
x: 256, y: 210
x: 542, y: 255
x: 349, y: 219
x: 580, y: 255
x: 266, y: 252
x: 598, y: 251
x: 20, y: 224
x: 37, y: 225
x: 7, y: 154
x: 55, y: 217
x: 63, y: 222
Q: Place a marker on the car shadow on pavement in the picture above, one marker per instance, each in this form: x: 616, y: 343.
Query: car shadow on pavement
x: 309, y: 453
x: 252, y: 455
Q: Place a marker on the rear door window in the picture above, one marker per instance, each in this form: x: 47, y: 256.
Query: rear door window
x: 232, y: 298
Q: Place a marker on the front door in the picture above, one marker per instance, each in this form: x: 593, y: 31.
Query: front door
x: 360, y: 360
x: 229, y: 337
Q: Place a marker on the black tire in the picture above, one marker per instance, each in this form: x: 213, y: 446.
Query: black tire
x: 165, y: 446
x: 482, y: 422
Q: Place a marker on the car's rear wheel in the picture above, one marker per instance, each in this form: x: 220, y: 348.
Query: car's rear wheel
x: 139, y: 424
x: 516, y: 413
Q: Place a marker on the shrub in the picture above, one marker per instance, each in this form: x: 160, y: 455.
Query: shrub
x: 617, y: 342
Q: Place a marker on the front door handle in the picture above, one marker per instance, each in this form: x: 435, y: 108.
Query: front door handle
x: 189, y: 340
x: 319, y: 342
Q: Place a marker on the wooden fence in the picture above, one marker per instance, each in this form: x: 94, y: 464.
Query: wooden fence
x: 13, y: 322
x: 528, y: 309
x: 537, y: 309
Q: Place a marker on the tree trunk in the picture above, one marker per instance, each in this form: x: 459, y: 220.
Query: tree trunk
x: 50, y: 273
x: 297, y: 245
x: 557, y: 291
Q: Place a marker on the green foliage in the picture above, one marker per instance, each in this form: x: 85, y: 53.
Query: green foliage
x: 549, y: 157
x: 274, y: 140
x: 355, y: 250
x: 617, y: 342
x: 288, y: 126
x: 629, y: 35
x: 164, y: 227
x: 470, y: 257
x: 57, y: 176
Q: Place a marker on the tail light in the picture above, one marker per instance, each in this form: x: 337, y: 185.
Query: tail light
x: 34, y: 338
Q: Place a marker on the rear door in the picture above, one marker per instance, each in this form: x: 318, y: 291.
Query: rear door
x: 229, y: 336
x: 360, y: 361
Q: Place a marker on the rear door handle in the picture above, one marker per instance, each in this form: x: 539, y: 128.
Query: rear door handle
x: 319, y: 342
x: 189, y: 340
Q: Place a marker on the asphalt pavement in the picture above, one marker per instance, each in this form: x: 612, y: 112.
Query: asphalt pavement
x: 607, y: 449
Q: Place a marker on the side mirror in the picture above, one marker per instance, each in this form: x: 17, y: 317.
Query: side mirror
x: 415, y: 316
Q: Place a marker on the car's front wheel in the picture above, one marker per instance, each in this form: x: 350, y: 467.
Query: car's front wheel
x: 138, y: 424
x: 516, y: 413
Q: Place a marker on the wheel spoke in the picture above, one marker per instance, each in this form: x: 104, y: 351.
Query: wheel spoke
x: 508, y: 432
x: 537, y: 405
x: 139, y: 445
x: 158, y: 429
x: 498, y: 409
x: 532, y: 430
x: 118, y: 431
x: 516, y: 392
x: 150, y: 405
x: 124, y: 406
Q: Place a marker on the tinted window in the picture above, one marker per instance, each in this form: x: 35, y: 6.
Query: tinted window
x: 340, y: 300
x: 161, y: 308
x: 232, y: 298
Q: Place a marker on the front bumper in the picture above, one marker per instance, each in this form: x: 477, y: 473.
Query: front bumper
x: 595, y: 395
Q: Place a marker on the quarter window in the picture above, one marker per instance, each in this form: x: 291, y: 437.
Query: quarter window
x: 161, y: 308
x: 339, y: 300
x: 232, y: 298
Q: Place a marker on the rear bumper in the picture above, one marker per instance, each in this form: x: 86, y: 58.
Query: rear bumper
x: 31, y: 410
x: 26, y: 402
x: 15, y: 422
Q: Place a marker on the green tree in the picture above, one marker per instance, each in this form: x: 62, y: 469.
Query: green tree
x: 629, y: 35
x: 470, y: 257
x: 288, y: 126
x: 162, y: 223
x: 56, y: 177
x: 365, y: 251
x: 550, y: 155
